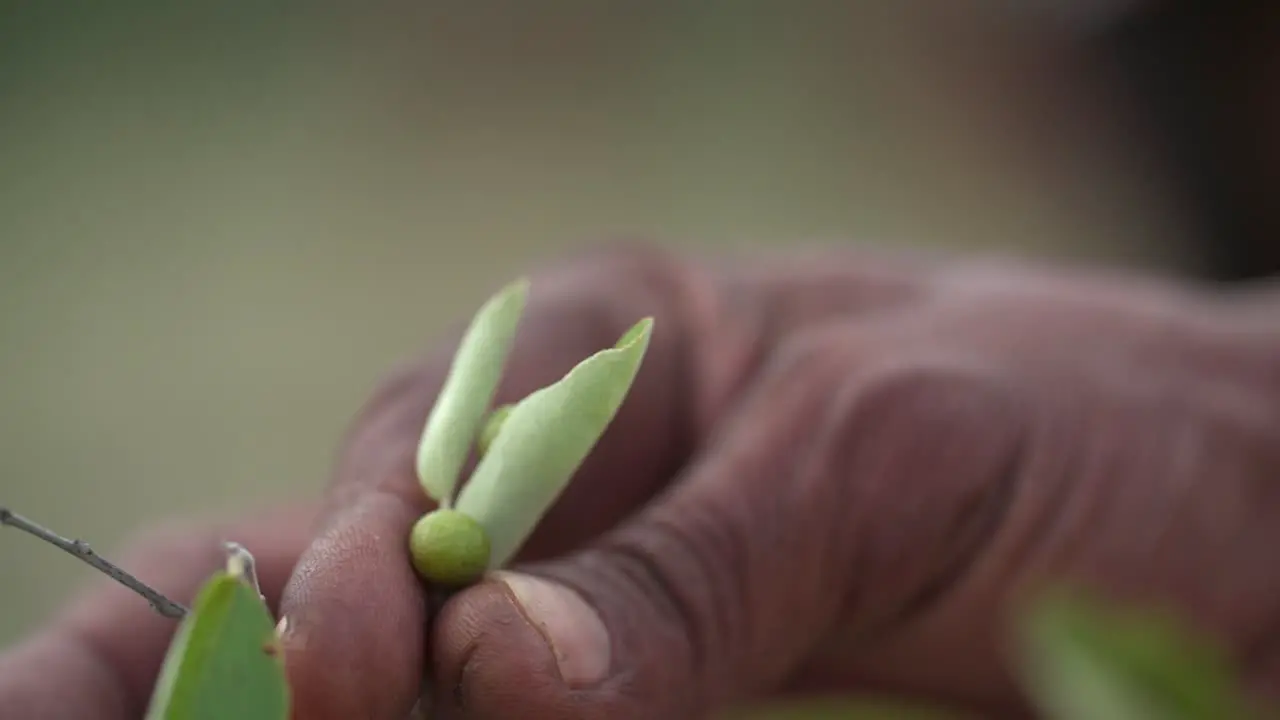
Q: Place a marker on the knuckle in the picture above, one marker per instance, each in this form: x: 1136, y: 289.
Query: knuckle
x: 863, y: 401
x: 797, y: 379
x: 904, y: 396
x: 923, y: 454
x: 809, y: 349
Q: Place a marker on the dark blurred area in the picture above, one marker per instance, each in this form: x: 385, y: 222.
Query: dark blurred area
x: 220, y: 222
x: 1205, y: 78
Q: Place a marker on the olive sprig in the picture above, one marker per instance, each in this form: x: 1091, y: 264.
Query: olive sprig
x: 528, y: 451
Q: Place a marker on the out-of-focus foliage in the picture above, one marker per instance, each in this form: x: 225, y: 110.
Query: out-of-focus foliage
x: 1083, y: 660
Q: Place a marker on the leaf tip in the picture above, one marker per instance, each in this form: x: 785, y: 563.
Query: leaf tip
x: 454, y: 420
x: 636, y: 334
x: 515, y: 292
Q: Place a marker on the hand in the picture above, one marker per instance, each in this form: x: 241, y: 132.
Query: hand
x: 833, y: 473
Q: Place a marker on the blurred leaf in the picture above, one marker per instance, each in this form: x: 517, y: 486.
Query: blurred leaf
x: 544, y: 439
x: 1086, y: 661
x: 491, y: 428
x: 460, y: 409
x: 223, y: 661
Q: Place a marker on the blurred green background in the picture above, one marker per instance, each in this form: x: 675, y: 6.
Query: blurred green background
x: 221, y: 222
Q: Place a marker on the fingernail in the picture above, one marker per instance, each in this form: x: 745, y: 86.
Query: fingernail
x: 282, y: 627
x: 574, y: 632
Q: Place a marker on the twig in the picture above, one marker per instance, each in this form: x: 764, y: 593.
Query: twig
x: 81, y: 549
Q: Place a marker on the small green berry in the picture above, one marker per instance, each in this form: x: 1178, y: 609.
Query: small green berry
x: 491, y: 428
x: 449, y: 548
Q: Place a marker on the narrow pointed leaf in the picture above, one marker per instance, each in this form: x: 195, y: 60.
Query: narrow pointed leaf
x: 463, y: 404
x: 544, y: 439
x: 1085, y: 661
x: 223, y: 661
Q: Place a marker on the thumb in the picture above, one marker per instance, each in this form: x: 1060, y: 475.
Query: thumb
x: 817, y: 503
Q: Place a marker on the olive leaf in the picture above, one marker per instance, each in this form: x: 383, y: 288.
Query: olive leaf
x: 463, y: 403
x: 543, y: 440
x: 223, y: 661
x: 491, y: 428
x: 1083, y: 660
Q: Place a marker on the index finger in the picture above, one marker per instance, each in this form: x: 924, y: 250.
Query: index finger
x: 355, y: 612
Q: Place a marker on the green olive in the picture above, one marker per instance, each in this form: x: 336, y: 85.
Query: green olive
x: 491, y: 428
x: 449, y: 548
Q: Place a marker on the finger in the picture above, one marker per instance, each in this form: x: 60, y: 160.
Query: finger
x: 759, y: 301
x: 99, y: 659
x: 355, y: 611
x: 844, y: 487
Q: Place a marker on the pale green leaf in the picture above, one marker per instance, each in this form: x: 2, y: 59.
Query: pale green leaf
x: 491, y: 427
x: 223, y: 661
x: 544, y: 439
x: 1084, y: 660
x: 463, y: 403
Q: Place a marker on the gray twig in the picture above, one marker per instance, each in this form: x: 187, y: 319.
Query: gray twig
x: 81, y: 549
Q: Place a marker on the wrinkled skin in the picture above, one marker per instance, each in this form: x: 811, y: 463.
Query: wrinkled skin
x: 836, y: 471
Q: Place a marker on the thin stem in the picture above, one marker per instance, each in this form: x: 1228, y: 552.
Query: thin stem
x: 81, y: 549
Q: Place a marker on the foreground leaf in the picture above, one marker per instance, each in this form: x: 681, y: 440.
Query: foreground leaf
x: 223, y: 661
x: 1084, y: 661
x: 463, y: 404
x: 544, y: 439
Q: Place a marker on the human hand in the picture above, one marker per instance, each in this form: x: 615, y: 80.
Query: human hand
x: 833, y: 473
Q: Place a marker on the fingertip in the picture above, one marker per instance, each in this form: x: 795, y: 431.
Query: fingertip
x: 491, y: 660
x: 354, y: 616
